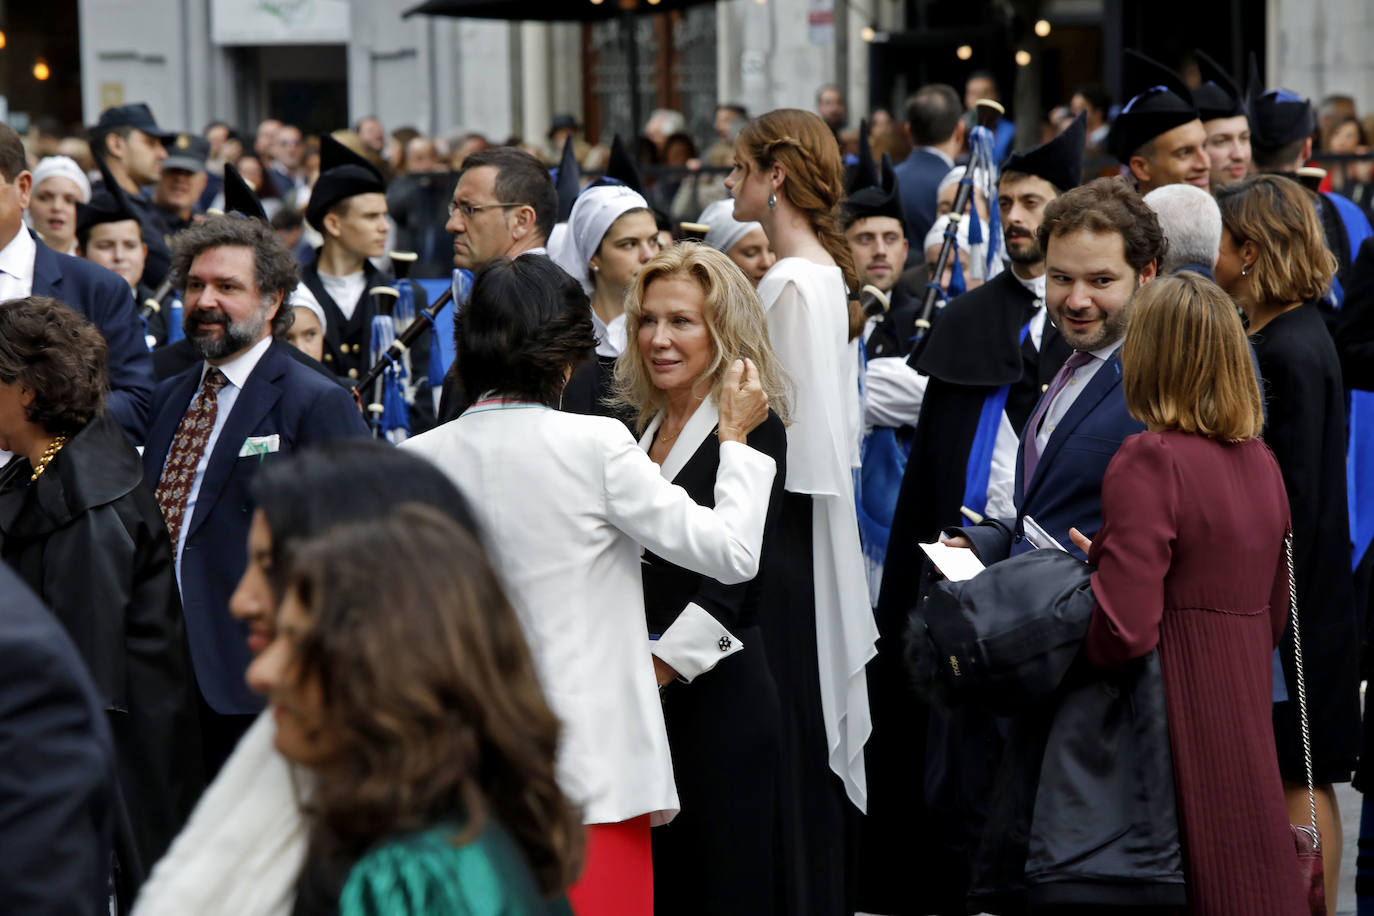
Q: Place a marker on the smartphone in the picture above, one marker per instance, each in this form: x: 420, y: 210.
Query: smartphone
x: 1038, y: 537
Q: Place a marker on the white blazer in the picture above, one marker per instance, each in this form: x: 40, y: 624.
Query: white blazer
x: 564, y: 502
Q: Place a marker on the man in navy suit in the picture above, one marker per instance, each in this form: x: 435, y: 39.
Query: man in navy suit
x: 934, y: 127
x: 1101, y: 244
x: 30, y: 269
x: 213, y: 425
x: 57, y: 766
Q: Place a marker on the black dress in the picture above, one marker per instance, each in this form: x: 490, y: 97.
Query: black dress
x: 1306, y: 431
x: 717, y: 855
x: 89, y: 539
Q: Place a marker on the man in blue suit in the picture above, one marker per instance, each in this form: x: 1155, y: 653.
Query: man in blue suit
x: 1101, y: 244
x: 934, y: 127
x: 213, y: 425
x: 57, y: 788
x: 28, y: 268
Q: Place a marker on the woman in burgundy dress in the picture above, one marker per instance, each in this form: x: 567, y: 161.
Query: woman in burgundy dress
x: 1190, y: 558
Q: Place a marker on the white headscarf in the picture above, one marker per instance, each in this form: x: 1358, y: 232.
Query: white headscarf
x: 303, y: 298
x: 596, y: 209
x: 726, y: 231
x: 62, y: 167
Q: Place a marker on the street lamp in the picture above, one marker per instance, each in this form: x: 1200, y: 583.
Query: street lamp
x: 1042, y: 28
x: 964, y: 52
x: 1023, y: 58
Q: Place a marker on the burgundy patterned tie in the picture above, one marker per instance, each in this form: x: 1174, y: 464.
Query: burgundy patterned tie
x: 1031, y: 454
x: 188, y: 447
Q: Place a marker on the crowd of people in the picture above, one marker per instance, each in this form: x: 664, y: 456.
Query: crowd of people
x: 906, y: 522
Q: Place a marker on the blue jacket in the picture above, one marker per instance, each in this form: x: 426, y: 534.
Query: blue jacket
x: 57, y: 797
x: 918, y: 179
x: 1066, y: 490
x: 106, y: 301
x: 281, y: 397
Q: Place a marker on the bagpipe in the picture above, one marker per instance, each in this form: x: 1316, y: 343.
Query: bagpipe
x: 981, y: 163
x: 395, y: 328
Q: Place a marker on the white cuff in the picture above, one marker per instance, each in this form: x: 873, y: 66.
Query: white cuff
x: 694, y: 643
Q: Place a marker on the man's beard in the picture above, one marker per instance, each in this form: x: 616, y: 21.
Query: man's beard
x: 1024, y: 254
x: 237, y: 335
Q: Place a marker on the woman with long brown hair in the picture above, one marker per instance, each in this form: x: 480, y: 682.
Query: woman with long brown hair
x: 404, y: 685
x: 788, y: 176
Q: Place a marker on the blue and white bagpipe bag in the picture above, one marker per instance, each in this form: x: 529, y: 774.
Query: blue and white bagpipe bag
x: 883, y: 452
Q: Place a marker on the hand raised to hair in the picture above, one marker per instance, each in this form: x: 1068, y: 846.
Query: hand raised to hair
x: 743, y: 405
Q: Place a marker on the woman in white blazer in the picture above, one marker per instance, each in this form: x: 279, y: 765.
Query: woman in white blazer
x: 565, y: 502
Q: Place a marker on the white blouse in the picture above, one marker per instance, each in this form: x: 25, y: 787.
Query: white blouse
x: 808, y: 326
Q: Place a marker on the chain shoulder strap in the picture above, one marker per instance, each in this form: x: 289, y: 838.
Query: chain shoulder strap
x: 1302, y: 686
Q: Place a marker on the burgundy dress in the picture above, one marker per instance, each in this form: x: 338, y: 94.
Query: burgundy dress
x: 1190, y: 558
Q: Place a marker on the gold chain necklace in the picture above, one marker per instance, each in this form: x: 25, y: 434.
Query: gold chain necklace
x: 48, y: 455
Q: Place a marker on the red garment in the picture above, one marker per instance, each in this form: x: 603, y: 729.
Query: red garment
x: 1190, y: 558
x: 618, y: 873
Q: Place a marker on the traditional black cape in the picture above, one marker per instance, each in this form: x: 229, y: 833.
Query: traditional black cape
x: 974, y: 349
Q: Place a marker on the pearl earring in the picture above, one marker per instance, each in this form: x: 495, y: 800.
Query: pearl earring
x: 1245, y: 270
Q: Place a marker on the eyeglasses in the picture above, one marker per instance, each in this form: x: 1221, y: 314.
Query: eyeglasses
x: 469, y: 209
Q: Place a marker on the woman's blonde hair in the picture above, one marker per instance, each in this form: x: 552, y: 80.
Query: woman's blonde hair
x: 1280, y: 217
x: 734, y: 319
x: 803, y: 145
x: 1186, y: 363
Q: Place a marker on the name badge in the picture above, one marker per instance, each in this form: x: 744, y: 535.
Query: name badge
x: 260, y: 445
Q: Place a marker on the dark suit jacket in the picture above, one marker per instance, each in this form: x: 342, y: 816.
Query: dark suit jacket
x: 918, y: 177
x: 281, y: 397
x: 104, y: 299
x: 1066, y: 490
x: 57, y: 767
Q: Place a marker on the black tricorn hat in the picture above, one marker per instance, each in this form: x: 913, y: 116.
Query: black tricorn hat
x: 238, y: 197
x: 881, y: 198
x: 1277, y: 117
x: 1159, y: 102
x: 621, y: 167
x: 1059, y: 160
x: 1218, y: 96
x: 343, y: 174
x: 109, y: 204
x: 864, y: 174
x: 569, y: 181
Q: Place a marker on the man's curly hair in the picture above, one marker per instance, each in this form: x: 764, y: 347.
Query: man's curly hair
x: 60, y: 356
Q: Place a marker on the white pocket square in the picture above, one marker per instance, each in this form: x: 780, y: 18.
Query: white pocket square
x: 260, y: 445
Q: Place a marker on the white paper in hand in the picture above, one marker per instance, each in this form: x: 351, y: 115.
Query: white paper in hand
x: 955, y: 563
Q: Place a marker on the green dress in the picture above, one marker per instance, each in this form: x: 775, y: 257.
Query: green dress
x: 425, y: 874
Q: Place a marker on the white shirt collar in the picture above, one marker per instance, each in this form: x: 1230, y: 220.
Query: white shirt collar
x: 1105, y: 353
x: 541, y: 250
x: 610, y: 336
x: 941, y: 153
x: 1036, y: 285
x: 240, y: 367
x: 16, y: 259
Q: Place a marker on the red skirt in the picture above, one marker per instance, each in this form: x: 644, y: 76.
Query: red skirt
x: 618, y: 874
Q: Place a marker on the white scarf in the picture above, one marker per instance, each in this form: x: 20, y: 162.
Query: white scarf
x: 242, y: 850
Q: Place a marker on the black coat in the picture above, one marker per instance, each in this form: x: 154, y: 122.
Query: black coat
x: 724, y: 727
x: 89, y: 539
x: 57, y: 767
x: 973, y: 349
x: 1306, y: 430
x: 1082, y: 811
